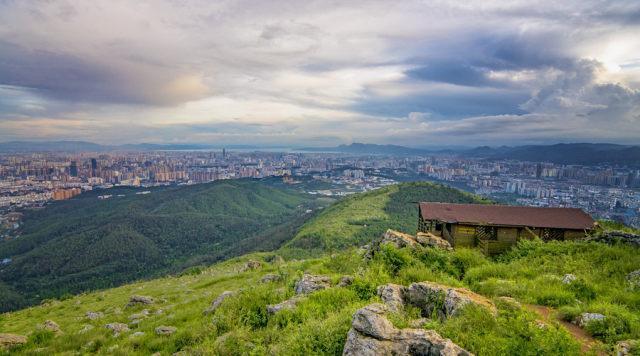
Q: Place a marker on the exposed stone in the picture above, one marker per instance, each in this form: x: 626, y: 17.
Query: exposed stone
x: 569, y: 278
x: 444, y: 300
x: 86, y: 328
x: 288, y: 304
x: 633, y: 279
x: 428, y: 239
x: 310, y: 283
x: 345, y: 281
x: 143, y: 314
x: 165, y: 330
x: 251, y: 265
x: 392, y: 296
x: 94, y: 315
x: 373, y: 334
x: 52, y: 326
x: 137, y: 334
x: 419, y: 323
x: 585, y: 319
x: 139, y: 299
x: 117, y: 328
x: 216, y: 302
x: 398, y: 239
x: 10, y: 340
x: 614, y: 237
x: 627, y: 347
x: 268, y: 278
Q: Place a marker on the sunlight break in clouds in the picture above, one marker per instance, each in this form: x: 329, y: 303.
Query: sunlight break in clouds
x: 319, y: 72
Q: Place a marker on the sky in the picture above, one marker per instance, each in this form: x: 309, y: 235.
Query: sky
x: 321, y: 73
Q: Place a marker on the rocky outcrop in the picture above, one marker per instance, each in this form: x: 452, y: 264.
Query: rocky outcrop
x: 614, y: 237
x: 10, y: 340
x: 633, y: 279
x: 569, y: 278
x: 268, y: 278
x: 52, y: 326
x: 117, y: 328
x: 310, y: 283
x: 443, y: 300
x: 372, y: 334
x: 139, y: 299
x: 585, y: 319
x: 165, y: 330
x: 288, y: 304
x: 392, y: 296
x: 345, y: 281
x: 94, y: 315
x: 216, y: 302
x: 627, y: 347
x: 251, y: 265
x: 428, y: 239
x: 398, y: 239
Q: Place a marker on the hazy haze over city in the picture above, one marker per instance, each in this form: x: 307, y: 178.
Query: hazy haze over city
x: 320, y: 72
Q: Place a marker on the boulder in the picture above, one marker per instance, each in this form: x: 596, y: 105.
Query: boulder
x: 136, y: 334
x: 443, y: 300
x: 569, y: 278
x: 94, y: 315
x: 615, y: 237
x: 117, y: 328
x: 268, y: 278
x: 373, y: 334
x: 165, y: 330
x: 627, y: 347
x: 392, y: 296
x: 310, y: 283
x: 52, y: 326
x: 431, y: 240
x: 10, y: 340
x: 251, y: 265
x: 633, y: 279
x: 398, y: 239
x: 585, y: 319
x: 288, y: 304
x: 139, y: 299
x: 216, y: 302
x: 345, y: 281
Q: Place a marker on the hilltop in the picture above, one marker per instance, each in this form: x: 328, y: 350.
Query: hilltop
x: 87, y: 243
x: 340, y: 280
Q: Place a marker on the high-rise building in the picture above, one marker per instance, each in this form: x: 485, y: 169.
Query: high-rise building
x: 73, y: 169
x: 94, y: 167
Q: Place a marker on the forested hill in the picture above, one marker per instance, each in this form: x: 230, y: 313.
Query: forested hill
x: 87, y: 243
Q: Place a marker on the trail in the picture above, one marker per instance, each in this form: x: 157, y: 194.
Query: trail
x: 587, y: 342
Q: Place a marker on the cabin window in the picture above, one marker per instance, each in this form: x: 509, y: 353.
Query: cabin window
x: 438, y: 227
x: 552, y: 234
x: 486, y: 233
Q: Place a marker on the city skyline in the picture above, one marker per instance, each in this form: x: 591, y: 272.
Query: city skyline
x: 320, y: 73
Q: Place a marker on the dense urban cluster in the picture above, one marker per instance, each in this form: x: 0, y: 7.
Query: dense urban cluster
x: 31, y: 180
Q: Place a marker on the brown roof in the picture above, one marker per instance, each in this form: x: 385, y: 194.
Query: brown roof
x: 561, y: 218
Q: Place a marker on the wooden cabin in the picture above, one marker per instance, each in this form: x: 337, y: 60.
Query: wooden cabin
x: 495, y: 228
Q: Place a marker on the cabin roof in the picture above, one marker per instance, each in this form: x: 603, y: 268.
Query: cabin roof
x: 481, y: 214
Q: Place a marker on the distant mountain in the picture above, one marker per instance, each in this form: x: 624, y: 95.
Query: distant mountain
x: 51, y: 146
x: 369, y: 148
x: 564, y: 153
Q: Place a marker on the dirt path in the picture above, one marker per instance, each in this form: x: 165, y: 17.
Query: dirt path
x: 549, y: 314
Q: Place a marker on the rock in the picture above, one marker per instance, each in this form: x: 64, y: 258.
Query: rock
x: 288, y: 304
x: 633, y: 279
x: 136, y: 334
x: 568, y: 278
x: 165, y: 330
x: 143, y: 314
x: 268, y: 278
x: 392, y: 296
x: 251, y: 265
x: 86, y: 328
x: 94, y: 315
x: 444, y: 300
x: 419, y: 323
x: 10, y: 340
x: 627, y: 347
x: 372, y: 334
x: 117, y: 328
x: 615, y: 237
x: 310, y: 283
x: 398, y: 239
x: 216, y: 302
x: 52, y: 326
x: 139, y: 299
x: 431, y: 240
x: 585, y: 319
x: 345, y: 281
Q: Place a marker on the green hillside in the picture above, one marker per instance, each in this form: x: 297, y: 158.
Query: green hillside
x: 532, y: 274
x: 87, y: 243
x: 360, y: 218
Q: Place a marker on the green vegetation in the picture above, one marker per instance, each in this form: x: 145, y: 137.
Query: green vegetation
x: 87, y: 243
x: 531, y: 273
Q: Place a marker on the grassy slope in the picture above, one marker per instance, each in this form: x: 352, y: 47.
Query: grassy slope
x: 87, y: 243
x: 530, y: 273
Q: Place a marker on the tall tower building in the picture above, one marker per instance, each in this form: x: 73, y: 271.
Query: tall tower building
x: 94, y: 167
x: 73, y: 169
